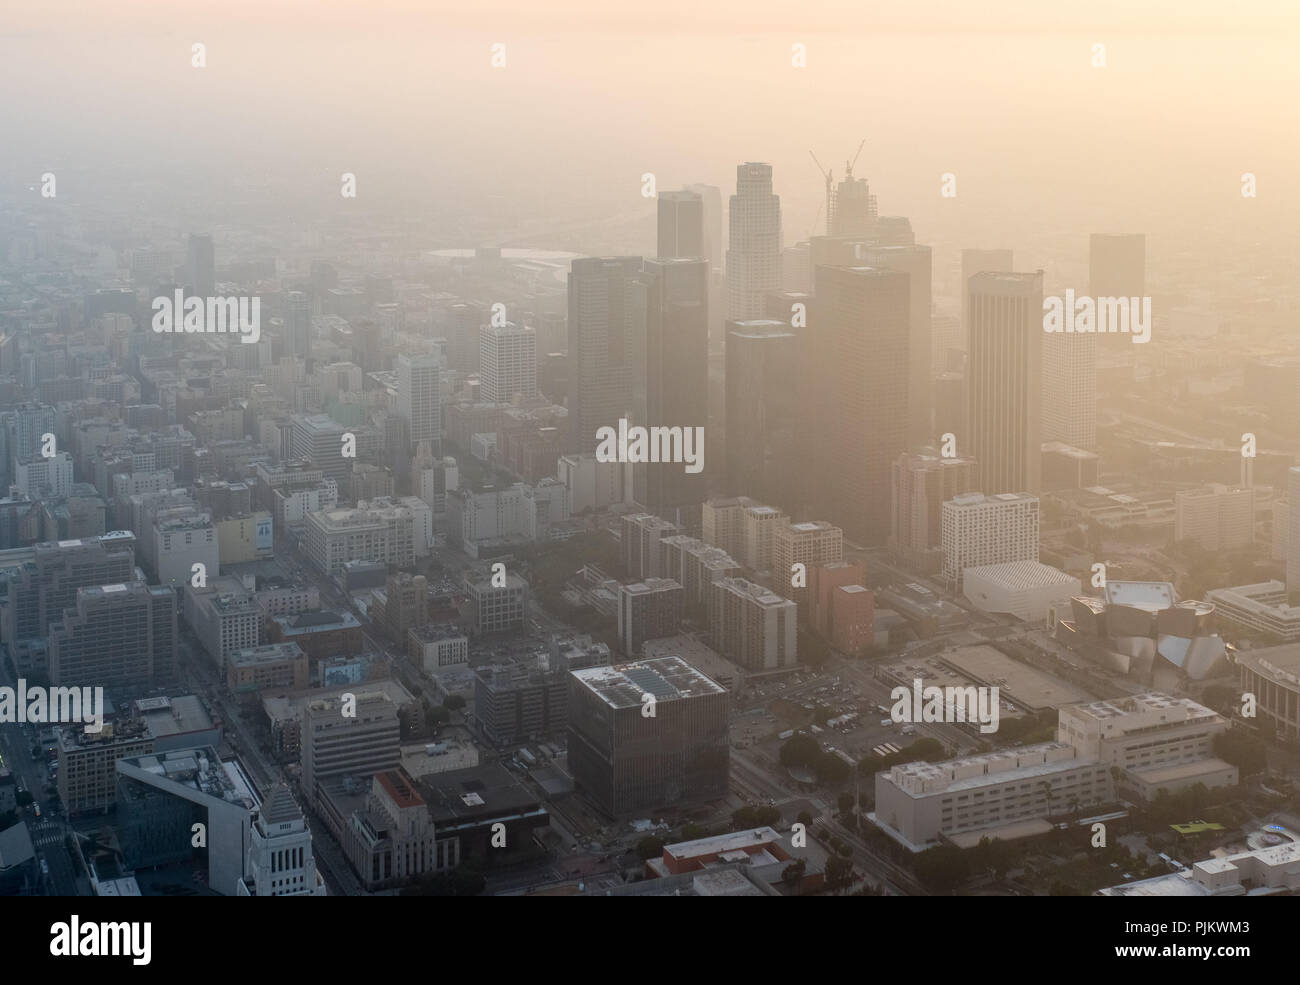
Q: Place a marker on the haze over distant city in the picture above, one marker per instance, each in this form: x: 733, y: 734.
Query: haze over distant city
x: 742, y: 448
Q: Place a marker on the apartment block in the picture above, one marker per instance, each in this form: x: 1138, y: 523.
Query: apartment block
x: 753, y: 626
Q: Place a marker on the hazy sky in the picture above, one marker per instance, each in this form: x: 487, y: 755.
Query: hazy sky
x: 1002, y: 94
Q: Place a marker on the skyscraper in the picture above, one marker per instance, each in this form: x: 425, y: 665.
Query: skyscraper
x: 711, y: 198
x: 670, y: 379
x: 418, y: 397
x: 463, y: 324
x: 915, y: 262
x: 297, y: 325
x: 1117, y: 268
x: 1070, y: 389
x: 977, y: 262
x: 762, y: 408
x: 854, y: 212
x: 1004, y: 424
x: 200, y: 265
x: 600, y: 344
x: 681, y: 225
x: 855, y: 396
x: 507, y: 362
x: 754, y: 244
x: 921, y: 485
x: 1293, y: 533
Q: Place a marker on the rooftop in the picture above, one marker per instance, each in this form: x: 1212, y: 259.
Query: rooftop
x: 1023, y: 574
x: 667, y: 678
x: 395, y: 784
x: 174, y: 716
x: 266, y: 654
x: 198, y: 769
x: 733, y: 841
x: 470, y: 796
x: 1151, y: 595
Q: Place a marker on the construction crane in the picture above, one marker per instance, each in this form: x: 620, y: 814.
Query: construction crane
x: 848, y: 165
x: 829, y: 180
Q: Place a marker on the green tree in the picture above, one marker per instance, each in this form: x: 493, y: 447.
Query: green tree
x: 831, y: 769
x: 650, y: 847
x: 846, y: 802
x: 454, y: 702
x: 1243, y: 749
x: 800, y: 750
x: 794, y: 871
x: 839, y: 872
x: 1221, y: 698
x: 942, y: 868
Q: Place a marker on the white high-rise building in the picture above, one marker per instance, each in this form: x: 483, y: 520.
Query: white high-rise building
x: 1070, y: 389
x: 759, y: 529
x: 507, y: 363
x: 44, y: 478
x: 1217, y: 517
x: 977, y: 530
x: 418, y: 395
x: 280, y: 860
x: 754, y: 245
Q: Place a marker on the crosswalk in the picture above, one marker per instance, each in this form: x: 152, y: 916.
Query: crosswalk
x: 46, y: 834
x: 886, y: 749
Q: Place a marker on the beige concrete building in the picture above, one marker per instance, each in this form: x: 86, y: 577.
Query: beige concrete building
x: 273, y: 665
x: 1273, y: 676
x: 753, y: 626
x: 88, y: 762
x: 1218, y: 518
x: 392, y: 839
x: 759, y: 526
x: 384, y: 534
x: 361, y: 744
x: 920, y: 804
x: 245, y: 538
x: 813, y: 542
